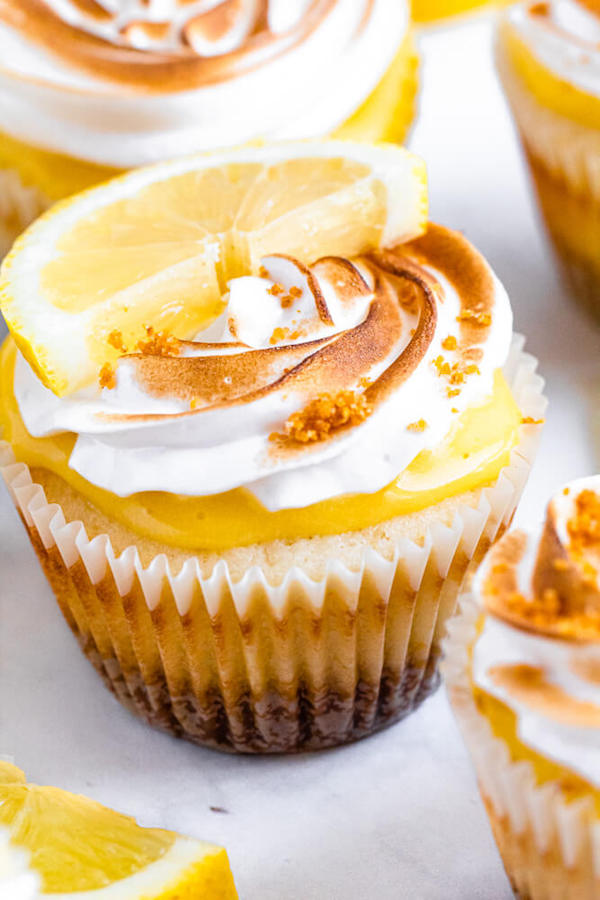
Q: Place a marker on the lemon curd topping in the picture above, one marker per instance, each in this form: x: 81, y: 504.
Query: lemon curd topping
x: 470, y: 457
x: 548, y: 88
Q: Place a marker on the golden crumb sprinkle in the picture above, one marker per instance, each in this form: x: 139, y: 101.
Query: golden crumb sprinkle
x: 454, y: 410
x: 418, y: 426
x: 115, y: 339
x: 324, y: 415
x: 283, y: 334
x: 539, y: 9
x: 263, y: 273
x: 453, y: 392
x: 158, y: 343
x: 529, y: 420
x: 276, y: 289
x: 106, y: 377
x: 295, y: 292
x: 286, y: 301
x: 583, y: 528
x: 475, y: 317
x: 450, y: 343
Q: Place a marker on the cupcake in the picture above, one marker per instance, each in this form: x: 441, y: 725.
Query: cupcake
x: 257, y: 535
x: 522, y: 669
x: 88, y: 89
x: 549, y: 63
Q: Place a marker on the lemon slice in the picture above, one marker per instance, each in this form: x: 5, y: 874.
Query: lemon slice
x: 156, y: 247
x: 80, y: 849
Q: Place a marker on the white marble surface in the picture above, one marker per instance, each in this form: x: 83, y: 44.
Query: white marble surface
x: 397, y: 815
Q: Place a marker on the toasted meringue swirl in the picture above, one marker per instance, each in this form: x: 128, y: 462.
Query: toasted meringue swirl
x: 539, y: 649
x: 564, y: 35
x: 419, y: 330
x: 123, y: 83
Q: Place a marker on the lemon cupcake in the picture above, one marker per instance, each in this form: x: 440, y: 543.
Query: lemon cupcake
x: 257, y: 535
x: 549, y: 63
x: 522, y: 669
x: 91, y: 88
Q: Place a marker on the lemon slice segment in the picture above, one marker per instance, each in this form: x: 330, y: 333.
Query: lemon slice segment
x: 80, y: 848
x: 156, y: 247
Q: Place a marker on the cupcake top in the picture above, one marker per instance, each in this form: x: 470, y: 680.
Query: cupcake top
x: 564, y: 36
x: 316, y: 380
x: 123, y: 82
x: 538, y: 651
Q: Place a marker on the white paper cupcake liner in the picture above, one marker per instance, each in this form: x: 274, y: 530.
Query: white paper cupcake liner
x: 550, y: 847
x: 245, y: 665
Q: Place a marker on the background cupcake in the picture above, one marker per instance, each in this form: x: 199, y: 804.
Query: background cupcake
x: 549, y: 63
x: 278, y: 515
x: 522, y: 673
x: 90, y: 89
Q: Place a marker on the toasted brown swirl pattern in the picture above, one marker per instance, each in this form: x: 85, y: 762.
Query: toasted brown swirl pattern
x: 195, y: 44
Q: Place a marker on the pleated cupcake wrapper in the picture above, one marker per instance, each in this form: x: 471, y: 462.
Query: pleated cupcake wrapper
x: 252, y: 666
x: 550, y: 847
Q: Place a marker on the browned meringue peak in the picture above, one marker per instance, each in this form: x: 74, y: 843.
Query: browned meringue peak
x: 212, y: 376
x: 153, y: 55
x: 552, y: 585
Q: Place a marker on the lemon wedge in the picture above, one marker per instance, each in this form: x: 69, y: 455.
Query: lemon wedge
x: 80, y: 849
x: 156, y: 247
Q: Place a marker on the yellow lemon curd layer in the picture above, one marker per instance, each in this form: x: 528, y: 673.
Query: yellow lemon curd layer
x: 424, y: 11
x: 549, y: 89
x: 470, y: 457
x: 385, y: 115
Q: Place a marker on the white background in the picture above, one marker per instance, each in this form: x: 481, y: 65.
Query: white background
x: 397, y: 815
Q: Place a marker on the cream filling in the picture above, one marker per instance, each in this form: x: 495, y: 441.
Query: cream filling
x: 566, y: 41
x: 229, y: 446
x: 304, y: 92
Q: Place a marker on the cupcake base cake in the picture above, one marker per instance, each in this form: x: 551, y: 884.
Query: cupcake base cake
x: 521, y: 669
x: 258, y: 533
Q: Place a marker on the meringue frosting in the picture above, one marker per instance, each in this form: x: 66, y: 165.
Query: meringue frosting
x: 538, y: 650
x: 564, y: 37
x: 124, y: 83
x: 417, y: 332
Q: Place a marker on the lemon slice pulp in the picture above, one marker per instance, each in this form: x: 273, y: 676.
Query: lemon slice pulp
x: 79, y: 848
x: 156, y: 247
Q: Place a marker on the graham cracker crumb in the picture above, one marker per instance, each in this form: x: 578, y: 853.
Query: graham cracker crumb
x: 418, y: 426
x: 450, y: 343
x: 529, y: 420
x: 106, y: 377
x: 158, y: 343
x: 115, y: 339
x: 324, y: 415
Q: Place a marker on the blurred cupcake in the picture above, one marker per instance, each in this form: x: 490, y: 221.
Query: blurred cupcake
x: 523, y: 673
x: 549, y: 63
x: 258, y: 535
x: 91, y: 88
